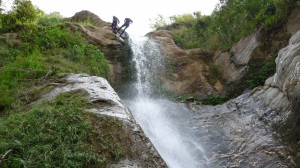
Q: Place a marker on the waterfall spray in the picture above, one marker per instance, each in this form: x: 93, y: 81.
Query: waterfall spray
x: 157, y: 117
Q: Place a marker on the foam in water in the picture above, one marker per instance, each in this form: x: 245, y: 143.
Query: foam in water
x: 159, y: 118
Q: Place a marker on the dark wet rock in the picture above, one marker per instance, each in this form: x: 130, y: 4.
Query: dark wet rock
x: 239, y: 133
x: 292, y: 24
x: 259, y: 128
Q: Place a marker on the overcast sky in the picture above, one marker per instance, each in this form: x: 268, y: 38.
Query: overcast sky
x: 140, y: 11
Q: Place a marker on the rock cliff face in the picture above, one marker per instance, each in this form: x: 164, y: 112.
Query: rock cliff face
x: 103, y: 96
x: 195, y: 70
x: 286, y: 79
x: 102, y: 36
x: 191, y: 73
x: 107, y: 103
x: 261, y: 127
x: 250, y: 53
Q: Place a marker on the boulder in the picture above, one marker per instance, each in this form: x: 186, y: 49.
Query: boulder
x: 234, y: 64
x: 108, y: 103
x: 87, y: 16
x: 191, y: 72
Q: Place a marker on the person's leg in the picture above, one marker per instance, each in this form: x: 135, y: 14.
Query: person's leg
x: 113, y: 26
x: 124, y: 29
x: 120, y: 28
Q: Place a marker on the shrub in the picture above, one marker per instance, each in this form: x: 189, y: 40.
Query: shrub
x: 22, y: 15
x: 259, y: 73
x: 24, y: 11
x: 45, y: 51
x: 58, y: 133
x: 230, y: 21
x: 214, y: 73
x: 51, y: 19
x: 14, y: 74
x: 214, y: 100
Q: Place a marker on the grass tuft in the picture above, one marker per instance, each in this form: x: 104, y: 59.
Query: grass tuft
x: 58, y: 133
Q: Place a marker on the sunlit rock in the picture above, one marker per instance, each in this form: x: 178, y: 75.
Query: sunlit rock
x: 191, y: 72
x: 287, y: 77
x: 101, y: 35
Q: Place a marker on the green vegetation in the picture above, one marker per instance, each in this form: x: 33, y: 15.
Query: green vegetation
x: 51, y: 19
x: 230, y: 21
x: 185, y: 98
x: 214, y: 74
x: 214, y: 100
x: 23, y: 14
x: 36, y: 51
x: 87, y: 22
x: 58, y: 133
x: 42, y: 51
x: 258, y: 73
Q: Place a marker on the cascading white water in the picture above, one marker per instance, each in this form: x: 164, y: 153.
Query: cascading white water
x: 163, y: 121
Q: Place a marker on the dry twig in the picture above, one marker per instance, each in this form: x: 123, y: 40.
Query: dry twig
x: 4, y: 156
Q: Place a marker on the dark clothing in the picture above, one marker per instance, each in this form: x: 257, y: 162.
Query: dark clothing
x: 114, y: 24
x: 127, y: 22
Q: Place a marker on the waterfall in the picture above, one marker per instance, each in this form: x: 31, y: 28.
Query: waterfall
x: 163, y: 121
x: 148, y: 63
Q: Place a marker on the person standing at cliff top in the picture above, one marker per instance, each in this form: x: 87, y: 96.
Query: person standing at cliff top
x: 114, y: 24
x: 126, y: 24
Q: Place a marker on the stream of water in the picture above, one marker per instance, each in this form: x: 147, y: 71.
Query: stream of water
x: 163, y: 121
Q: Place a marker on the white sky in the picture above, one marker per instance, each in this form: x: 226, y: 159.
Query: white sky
x: 140, y: 11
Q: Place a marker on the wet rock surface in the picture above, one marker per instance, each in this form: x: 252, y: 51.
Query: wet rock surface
x: 240, y: 132
x: 259, y: 128
x: 108, y: 103
x: 191, y: 72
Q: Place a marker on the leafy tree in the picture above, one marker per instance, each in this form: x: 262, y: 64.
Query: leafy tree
x: 230, y: 21
x: 24, y: 10
x: 159, y: 21
x: 23, y: 13
x: 0, y: 6
x: 53, y: 18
